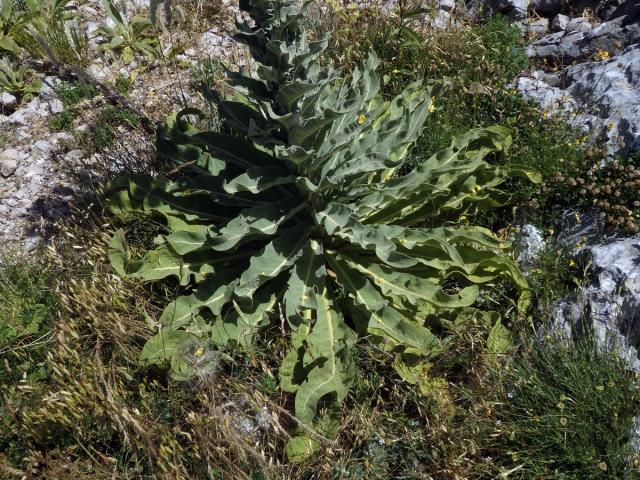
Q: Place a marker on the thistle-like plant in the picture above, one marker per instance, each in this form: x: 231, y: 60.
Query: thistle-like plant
x: 127, y: 38
x: 306, y: 217
x: 19, y: 80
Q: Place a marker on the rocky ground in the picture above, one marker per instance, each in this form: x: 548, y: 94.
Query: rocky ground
x: 587, y: 70
x: 40, y: 168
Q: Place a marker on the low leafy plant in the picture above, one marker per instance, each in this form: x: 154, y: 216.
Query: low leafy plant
x: 27, y: 305
x: 72, y: 94
x: 128, y: 37
x: 123, y: 84
x: 303, y: 216
x: 104, y: 132
x: 19, y: 81
x: 9, y: 19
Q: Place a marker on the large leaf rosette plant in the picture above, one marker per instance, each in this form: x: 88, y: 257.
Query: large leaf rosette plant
x: 308, y: 215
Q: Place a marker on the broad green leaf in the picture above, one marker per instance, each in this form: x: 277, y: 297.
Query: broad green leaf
x: 277, y: 257
x: 412, y: 288
x: 306, y: 281
x: 327, y: 358
x: 258, y: 179
x: 212, y: 293
x: 243, y: 321
x: 500, y: 338
x: 171, y: 348
x: 187, y: 240
x: 338, y: 220
x: 384, y: 320
x: 262, y: 220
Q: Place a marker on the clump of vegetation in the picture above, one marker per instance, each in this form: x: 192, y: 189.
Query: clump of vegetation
x: 104, y: 123
x: 104, y: 132
x: 27, y: 307
x: 128, y: 38
x: 72, y: 95
x: 10, y: 20
x: 20, y: 81
x: 123, y: 84
x: 554, y: 274
x: 611, y: 187
x: 561, y: 412
x: 49, y: 30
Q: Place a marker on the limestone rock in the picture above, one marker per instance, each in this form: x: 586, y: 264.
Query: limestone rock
x: 559, y: 22
x: 611, y: 90
x: 600, y: 87
x: 514, y: 9
x: 552, y: 100
x: 579, y: 24
x: 7, y: 101
x: 528, y: 244
x: 447, y: 5
x: 10, y: 160
x: 538, y: 27
x: 608, y: 307
x: 612, y: 36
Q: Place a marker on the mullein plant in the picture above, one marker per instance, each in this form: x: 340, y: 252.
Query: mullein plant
x: 309, y: 216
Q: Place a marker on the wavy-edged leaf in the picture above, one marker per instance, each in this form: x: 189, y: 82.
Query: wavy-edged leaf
x: 244, y: 320
x: 278, y: 256
x: 339, y: 220
x: 327, y: 360
x: 212, y: 294
x: 170, y: 348
x: 383, y: 320
x: 308, y: 276
x: 258, y: 179
x: 261, y: 220
x: 412, y: 288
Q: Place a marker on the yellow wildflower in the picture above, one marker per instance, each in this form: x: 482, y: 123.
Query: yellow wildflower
x: 600, y: 388
x: 432, y: 107
x: 563, y: 421
x: 572, y: 263
x: 362, y: 119
x: 602, y: 466
x: 200, y: 352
